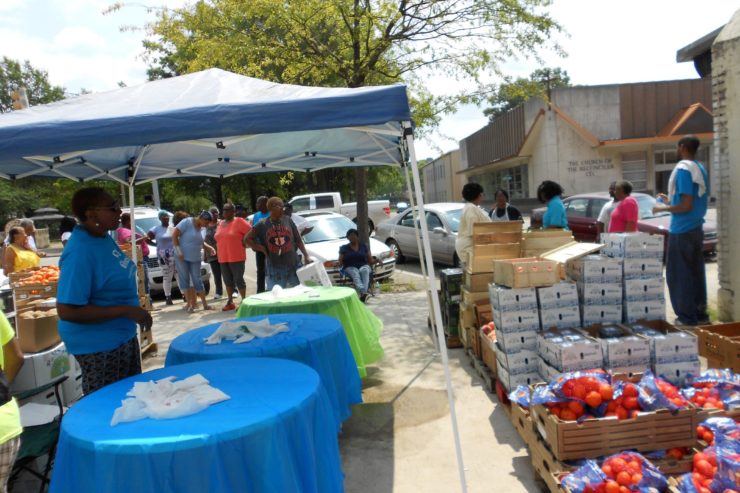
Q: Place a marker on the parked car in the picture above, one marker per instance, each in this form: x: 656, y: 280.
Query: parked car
x: 377, y: 210
x: 145, y: 219
x: 583, y: 211
x: 401, y: 206
x: 443, y: 220
x: 329, y: 233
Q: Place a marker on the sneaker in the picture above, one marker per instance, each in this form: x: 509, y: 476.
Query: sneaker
x: 217, y: 296
x: 228, y: 307
x: 168, y: 301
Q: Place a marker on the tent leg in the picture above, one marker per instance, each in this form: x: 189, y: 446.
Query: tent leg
x: 422, y: 258
x: 436, y: 309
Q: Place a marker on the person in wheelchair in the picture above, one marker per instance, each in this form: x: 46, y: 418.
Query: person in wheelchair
x: 356, y: 261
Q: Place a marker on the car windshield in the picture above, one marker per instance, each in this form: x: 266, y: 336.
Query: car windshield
x: 328, y: 228
x: 646, y: 204
x: 453, y: 219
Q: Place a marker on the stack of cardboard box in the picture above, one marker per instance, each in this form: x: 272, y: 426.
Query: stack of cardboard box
x: 599, y: 281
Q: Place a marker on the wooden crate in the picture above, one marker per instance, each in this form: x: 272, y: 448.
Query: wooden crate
x: 25, y: 295
x: 548, y: 468
x: 526, y: 272
x: 487, y: 353
x: 14, y: 277
x: 481, y: 257
x: 467, y: 315
x: 522, y: 421
x: 537, y: 242
x: 477, y: 282
x: 704, y: 414
x: 146, y: 341
x: 475, y: 342
x: 654, y: 430
x: 483, y: 313
x: 720, y: 344
x: 497, y: 227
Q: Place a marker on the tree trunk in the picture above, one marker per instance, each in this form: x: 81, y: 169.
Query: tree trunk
x: 361, y: 198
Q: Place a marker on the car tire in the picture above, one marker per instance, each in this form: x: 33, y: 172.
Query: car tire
x: 396, y: 251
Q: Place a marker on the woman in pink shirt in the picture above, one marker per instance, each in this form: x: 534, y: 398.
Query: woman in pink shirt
x: 232, y: 253
x: 123, y: 237
x: 627, y: 212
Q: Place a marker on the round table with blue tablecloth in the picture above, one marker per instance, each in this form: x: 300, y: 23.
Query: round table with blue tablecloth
x: 315, y: 340
x: 275, y: 434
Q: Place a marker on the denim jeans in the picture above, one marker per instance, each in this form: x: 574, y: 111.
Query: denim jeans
x: 686, y: 276
x: 188, y: 275
x: 285, y: 277
x: 360, y: 277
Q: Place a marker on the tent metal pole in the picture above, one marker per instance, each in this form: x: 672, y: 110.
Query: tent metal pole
x: 131, y: 185
x: 422, y: 259
x: 436, y: 308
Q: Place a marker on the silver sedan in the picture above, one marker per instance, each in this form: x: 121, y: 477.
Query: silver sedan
x: 443, y: 220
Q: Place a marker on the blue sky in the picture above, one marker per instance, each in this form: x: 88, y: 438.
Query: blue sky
x: 610, y: 41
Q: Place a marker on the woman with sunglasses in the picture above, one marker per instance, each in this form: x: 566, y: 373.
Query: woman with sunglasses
x: 97, y: 298
x: 188, y: 242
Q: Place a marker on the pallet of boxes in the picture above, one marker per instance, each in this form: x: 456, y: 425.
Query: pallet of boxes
x: 146, y: 337
x: 603, y: 322
x: 45, y: 356
x: 491, y: 241
x: 449, y: 301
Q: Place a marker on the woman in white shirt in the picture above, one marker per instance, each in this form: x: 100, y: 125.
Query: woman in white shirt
x: 471, y: 214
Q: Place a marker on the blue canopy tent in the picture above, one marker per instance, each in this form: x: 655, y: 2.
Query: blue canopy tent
x: 219, y: 124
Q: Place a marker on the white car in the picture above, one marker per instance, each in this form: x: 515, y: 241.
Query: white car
x: 329, y: 233
x: 145, y: 219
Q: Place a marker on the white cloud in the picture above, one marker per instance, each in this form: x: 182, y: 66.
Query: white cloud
x: 79, y: 38
x: 9, y: 5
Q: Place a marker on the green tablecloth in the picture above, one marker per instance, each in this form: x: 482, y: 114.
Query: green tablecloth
x: 361, y: 325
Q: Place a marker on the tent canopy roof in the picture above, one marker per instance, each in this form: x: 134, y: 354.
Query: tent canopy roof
x: 209, y: 123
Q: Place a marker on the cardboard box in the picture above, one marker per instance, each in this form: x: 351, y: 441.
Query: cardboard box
x: 313, y: 274
x: 41, y: 368
x: 564, y: 317
x: 654, y: 430
x: 488, y: 351
x: 643, y: 310
x: 477, y: 282
x: 511, y: 342
x: 558, y: 295
x: 510, y: 381
x: 631, y: 370
x: 472, y: 297
x: 720, y: 344
x: 676, y: 372
x: 526, y: 272
x: 595, y: 268
x: 37, y: 334
x: 546, y: 372
x: 567, y: 350
x: 505, y: 299
x: 671, y: 344
x: 637, y: 268
x: 524, y: 361
x: 627, y: 350
x: 646, y: 289
x: 633, y: 245
x: 467, y: 315
x: 598, y: 293
x: 601, y: 314
x: 517, y: 321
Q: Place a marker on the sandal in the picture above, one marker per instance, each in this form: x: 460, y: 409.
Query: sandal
x: 191, y: 309
x: 208, y: 307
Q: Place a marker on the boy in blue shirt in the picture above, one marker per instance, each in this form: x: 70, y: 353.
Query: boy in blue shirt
x: 688, y: 197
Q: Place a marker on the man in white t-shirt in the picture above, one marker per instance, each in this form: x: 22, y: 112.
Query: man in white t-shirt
x: 301, y: 223
x: 602, y: 223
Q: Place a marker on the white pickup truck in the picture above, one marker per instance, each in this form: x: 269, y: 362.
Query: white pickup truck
x: 378, y: 210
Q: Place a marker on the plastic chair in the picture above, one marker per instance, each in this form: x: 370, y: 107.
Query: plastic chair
x: 345, y: 279
x: 39, y: 441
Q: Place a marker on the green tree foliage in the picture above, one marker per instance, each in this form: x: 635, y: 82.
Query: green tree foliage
x: 14, y: 74
x: 512, y: 93
x: 352, y: 43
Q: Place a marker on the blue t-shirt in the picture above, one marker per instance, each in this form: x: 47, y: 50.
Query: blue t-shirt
x: 191, y: 241
x: 259, y: 216
x: 555, y: 214
x: 354, y: 258
x: 688, y: 221
x: 94, y: 271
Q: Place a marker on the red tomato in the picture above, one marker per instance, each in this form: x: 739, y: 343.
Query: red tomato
x: 593, y: 399
x: 606, y: 391
x: 630, y: 390
x: 612, y: 487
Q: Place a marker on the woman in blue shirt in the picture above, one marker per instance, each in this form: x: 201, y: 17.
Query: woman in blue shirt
x: 188, y: 242
x: 355, y: 259
x: 550, y: 193
x: 97, y: 300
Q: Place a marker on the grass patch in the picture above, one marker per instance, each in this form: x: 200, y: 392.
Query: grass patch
x: 713, y: 313
x: 395, y: 287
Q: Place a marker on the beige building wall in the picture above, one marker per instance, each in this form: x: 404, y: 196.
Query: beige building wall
x: 726, y: 96
x: 442, y: 183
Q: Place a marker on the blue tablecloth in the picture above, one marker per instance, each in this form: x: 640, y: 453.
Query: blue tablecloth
x: 276, y: 434
x: 315, y: 340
